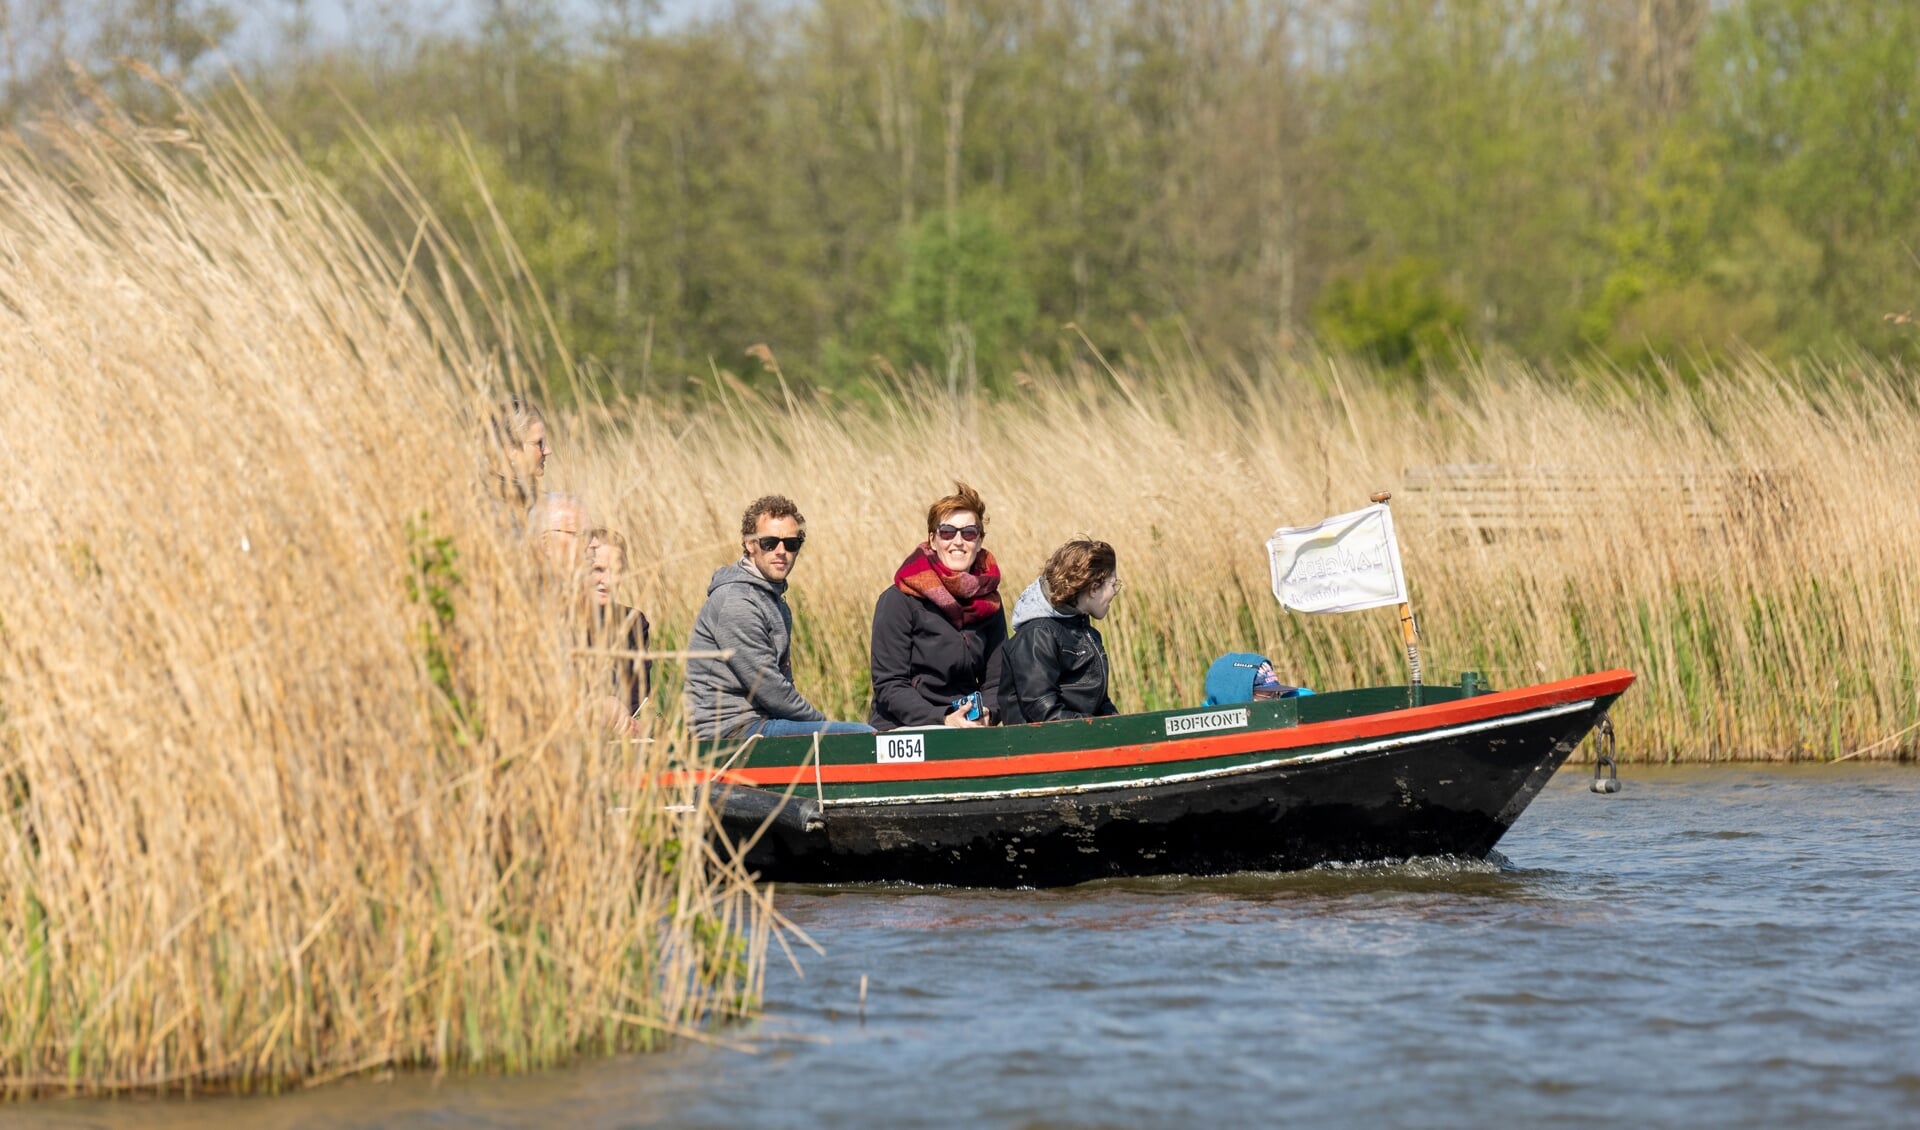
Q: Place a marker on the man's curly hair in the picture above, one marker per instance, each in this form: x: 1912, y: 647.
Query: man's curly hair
x: 769, y: 506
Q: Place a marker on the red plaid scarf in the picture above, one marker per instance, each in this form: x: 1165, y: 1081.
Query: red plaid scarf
x: 965, y: 598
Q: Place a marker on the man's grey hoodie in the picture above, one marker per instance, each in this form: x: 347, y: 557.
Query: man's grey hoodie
x: 747, y: 614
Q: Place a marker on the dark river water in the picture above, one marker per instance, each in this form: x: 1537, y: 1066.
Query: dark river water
x: 1711, y: 947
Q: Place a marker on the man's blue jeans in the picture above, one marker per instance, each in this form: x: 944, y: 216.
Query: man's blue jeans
x: 788, y: 728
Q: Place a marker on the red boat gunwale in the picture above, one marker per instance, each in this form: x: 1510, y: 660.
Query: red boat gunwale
x: 1410, y: 720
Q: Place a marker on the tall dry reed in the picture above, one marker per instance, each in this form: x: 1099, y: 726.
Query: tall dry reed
x: 1745, y: 544
x: 298, y: 777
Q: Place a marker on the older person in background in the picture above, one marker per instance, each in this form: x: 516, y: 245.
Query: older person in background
x: 615, y: 628
x: 555, y: 525
x: 938, y: 628
x: 1055, y: 666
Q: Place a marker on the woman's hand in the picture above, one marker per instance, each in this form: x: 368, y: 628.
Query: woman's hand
x: 959, y: 718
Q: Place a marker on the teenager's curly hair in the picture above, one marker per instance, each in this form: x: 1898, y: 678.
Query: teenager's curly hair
x: 769, y: 506
x: 1075, y: 569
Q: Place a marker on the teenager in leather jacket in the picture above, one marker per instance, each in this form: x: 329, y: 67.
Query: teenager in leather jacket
x: 1055, y: 666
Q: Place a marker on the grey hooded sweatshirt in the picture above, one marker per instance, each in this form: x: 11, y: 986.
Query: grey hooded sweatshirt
x: 747, y: 614
x: 1033, y: 604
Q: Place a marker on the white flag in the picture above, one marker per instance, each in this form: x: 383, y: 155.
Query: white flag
x: 1344, y: 564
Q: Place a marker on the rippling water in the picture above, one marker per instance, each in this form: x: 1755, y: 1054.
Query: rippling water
x: 1710, y: 947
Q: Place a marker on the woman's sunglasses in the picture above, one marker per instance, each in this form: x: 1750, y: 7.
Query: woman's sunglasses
x: 793, y: 544
x: 948, y: 533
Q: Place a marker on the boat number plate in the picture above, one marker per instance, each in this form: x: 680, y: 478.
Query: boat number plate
x: 1182, y: 724
x: 892, y: 749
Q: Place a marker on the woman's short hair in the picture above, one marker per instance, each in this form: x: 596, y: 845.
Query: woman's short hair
x: 963, y: 497
x: 769, y: 506
x: 1075, y: 569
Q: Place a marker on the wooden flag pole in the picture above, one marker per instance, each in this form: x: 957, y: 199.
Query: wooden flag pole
x: 1409, y: 630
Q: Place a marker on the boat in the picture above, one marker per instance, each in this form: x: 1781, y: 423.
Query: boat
x: 1378, y: 773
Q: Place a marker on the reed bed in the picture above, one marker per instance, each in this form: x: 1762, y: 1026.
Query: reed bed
x: 1743, y: 542
x: 299, y: 778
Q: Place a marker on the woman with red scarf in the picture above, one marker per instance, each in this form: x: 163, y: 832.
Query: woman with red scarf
x: 938, y: 628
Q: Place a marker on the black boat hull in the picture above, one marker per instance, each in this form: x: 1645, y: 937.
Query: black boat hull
x: 1451, y: 793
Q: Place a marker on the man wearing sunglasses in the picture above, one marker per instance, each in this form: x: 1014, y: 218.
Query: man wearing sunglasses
x: 746, y: 613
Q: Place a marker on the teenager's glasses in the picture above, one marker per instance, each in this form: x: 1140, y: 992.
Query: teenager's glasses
x: 948, y: 533
x: 793, y: 544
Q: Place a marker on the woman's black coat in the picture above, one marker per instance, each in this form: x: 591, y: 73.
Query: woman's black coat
x: 1053, y: 668
x: 921, y: 662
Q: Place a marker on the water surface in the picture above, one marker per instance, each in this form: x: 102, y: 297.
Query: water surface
x: 1713, y: 946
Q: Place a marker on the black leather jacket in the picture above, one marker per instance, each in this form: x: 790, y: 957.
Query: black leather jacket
x: 1054, y: 668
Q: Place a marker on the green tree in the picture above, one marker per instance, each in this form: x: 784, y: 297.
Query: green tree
x: 1660, y: 240
x: 1819, y: 105
x: 966, y: 283
x: 1667, y: 176
x: 1462, y: 136
x: 1399, y: 314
